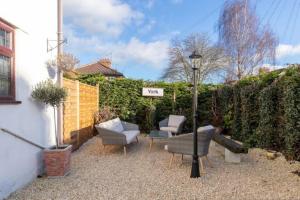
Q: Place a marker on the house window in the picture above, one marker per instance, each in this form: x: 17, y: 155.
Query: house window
x: 7, y: 72
x: 5, y: 38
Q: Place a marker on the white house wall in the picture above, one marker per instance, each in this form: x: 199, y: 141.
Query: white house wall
x: 20, y: 162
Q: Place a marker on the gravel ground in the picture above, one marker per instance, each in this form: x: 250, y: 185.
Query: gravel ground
x: 144, y: 175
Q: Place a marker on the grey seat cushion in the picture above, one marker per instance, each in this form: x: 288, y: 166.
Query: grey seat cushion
x: 170, y: 129
x: 131, y: 135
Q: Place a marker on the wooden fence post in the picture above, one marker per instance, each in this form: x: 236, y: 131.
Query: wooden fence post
x: 78, y: 111
x: 98, y: 97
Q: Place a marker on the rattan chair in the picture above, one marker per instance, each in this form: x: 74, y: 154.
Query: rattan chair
x: 183, y: 144
x: 173, y: 124
x: 117, y: 132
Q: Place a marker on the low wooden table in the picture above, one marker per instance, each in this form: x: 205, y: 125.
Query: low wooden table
x: 158, y: 134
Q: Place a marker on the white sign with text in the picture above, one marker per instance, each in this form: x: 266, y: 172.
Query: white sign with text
x: 153, y: 92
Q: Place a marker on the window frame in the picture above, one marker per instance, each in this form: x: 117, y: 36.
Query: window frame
x: 9, y: 52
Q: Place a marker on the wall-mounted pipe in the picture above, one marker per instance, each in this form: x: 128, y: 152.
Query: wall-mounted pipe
x: 59, y: 71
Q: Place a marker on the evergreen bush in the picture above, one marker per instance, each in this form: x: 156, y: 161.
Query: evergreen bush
x: 267, y: 129
x: 291, y: 103
x: 249, y: 113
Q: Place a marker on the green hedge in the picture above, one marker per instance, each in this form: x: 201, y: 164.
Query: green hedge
x: 267, y: 137
x: 291, y: 102
x: 249, y: 113
x: 237, y: 119
x: 261, y: 111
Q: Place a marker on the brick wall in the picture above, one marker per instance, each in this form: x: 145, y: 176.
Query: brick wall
x: 79, y: 109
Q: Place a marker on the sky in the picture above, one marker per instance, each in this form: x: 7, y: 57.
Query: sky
x: 135, y: 34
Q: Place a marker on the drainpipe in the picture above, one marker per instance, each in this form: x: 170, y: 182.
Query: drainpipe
x: 59, y: 71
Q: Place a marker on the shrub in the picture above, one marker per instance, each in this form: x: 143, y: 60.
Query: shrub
x: 49, y: 93
x: 291, y: 103
x: 205, y: 94
x: 104, y: 114
x: 237, y: 122
x: 249, y: 114
x: 226, y: 105
x: 267, y: 130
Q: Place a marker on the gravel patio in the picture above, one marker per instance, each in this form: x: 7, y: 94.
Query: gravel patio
x: 144, y: 175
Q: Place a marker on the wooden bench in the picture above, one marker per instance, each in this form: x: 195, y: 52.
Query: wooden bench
x: 233, y: 149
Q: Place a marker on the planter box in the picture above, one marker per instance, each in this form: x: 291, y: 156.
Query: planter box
x: 58, y: 161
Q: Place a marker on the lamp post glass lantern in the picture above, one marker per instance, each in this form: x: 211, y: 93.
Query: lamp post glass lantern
x: 195, y: 61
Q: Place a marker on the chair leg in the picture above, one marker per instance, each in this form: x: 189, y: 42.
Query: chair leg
x: 181, y: 158
x: 104, y: 149
x: 124, y: 150
x: 137, y: 139
x: 171, y: 160
x: 208, y: 162
x: 151, y: 143
x: 202, y: 166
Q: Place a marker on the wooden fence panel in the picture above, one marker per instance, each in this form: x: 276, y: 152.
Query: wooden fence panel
x: 79, y: 109
x: 89, y: 104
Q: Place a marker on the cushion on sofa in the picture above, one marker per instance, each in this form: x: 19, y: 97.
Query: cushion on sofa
x: 114, y: 125
x: 131, y: 135
x: 175, y: 120
x: 205, y: 128
x: 170, y: 129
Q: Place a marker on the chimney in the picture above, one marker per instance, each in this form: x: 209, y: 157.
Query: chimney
x: 106, y: 62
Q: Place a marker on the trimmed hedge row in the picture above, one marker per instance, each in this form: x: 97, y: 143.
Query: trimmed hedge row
x: 266, y: 111
x: 261, y: 111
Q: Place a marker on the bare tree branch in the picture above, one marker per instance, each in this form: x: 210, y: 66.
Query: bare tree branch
x: 246, y: 42
x: 179, y: 65
x: 66, y: 62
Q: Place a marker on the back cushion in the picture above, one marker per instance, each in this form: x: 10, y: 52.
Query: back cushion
x: 175, y: 120
x: 114, y: 125
x: 205, y: 128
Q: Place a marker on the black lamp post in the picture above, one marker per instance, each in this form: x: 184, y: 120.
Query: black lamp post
x: 195, y: 60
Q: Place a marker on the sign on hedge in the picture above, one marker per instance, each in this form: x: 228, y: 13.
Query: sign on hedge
x: 153, y: 92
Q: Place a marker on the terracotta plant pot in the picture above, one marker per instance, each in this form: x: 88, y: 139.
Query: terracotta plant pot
x: 58, y: 161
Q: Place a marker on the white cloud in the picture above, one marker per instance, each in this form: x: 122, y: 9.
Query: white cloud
x: 284, y: 50
x: 154, y: 53
x: 147, y: 27
x: 101, y: 16
x: 90, y: 24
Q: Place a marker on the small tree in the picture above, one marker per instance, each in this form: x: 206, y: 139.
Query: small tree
x: 50, y: 94
x: 246, y: 42
x: 180, y: 68
x: 65, y: 62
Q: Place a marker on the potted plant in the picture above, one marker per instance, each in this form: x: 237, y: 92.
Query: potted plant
x: 56, y: 158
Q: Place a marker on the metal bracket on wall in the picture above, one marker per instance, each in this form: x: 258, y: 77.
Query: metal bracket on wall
x: 51, y: 48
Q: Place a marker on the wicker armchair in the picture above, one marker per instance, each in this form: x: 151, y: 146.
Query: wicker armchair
x: 117, y: 132
x: 173, y: 124
x: 183, y: 144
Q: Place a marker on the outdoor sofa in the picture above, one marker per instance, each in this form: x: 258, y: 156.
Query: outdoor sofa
x: 183, y: 144
x: 173, y: 124
x: 117, y: 132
